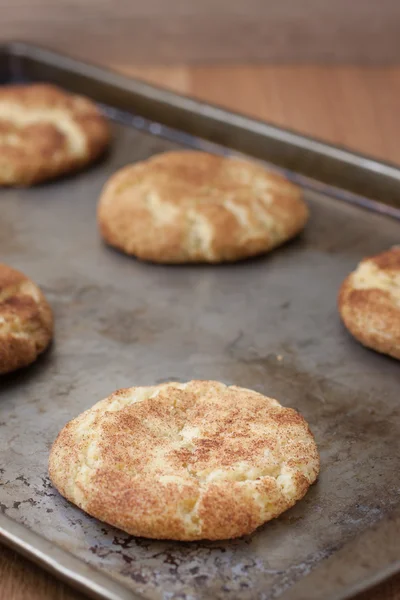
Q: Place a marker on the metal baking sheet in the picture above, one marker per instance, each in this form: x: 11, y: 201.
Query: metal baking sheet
x: 270, y: 324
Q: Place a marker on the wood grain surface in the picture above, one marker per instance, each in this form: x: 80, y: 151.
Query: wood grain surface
x: 353, y: 106
x: 129, y: 31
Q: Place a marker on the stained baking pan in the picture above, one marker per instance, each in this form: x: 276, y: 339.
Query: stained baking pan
x: 269, y: 324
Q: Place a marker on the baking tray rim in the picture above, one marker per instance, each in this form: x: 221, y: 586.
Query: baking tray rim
x: 30, y: 544
x: 382, y: 177
x: 61, y: 563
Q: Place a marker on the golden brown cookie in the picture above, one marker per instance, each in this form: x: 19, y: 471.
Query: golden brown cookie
x: 191, y: 461
x: 26, y: 321
x: 46, y: 132
x: 369, y: 302
x: 182, y: 207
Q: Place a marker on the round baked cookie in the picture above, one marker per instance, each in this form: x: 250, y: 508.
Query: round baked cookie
x: 369, y: 302
x: 26, y: 321
x: 46, y: 132
x: 180, y: 207
x: 191, y: 461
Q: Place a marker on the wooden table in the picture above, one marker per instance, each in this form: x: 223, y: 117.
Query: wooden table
x: 356, y: 107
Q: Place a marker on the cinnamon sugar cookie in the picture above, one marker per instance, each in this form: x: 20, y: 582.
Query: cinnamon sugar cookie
x: 180, y: 207
x: 369, y: 302
x: 46, y: 132
x: 26, y: 321
x: 191, y: 461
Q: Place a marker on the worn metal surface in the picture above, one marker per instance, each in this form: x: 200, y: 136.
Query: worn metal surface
x: 270, y: 324
x: 365, y: 561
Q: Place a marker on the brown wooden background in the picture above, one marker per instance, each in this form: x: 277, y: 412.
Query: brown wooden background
x: 162, y: 31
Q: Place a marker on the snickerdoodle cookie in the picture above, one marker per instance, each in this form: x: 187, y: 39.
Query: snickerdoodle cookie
x: 180, y: 207
x: 191, y: 461
x: 46, y: 132
x: 26, y: 321
x: 369, y: 302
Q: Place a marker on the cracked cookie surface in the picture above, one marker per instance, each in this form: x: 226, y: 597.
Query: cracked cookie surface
x: 180, y: 207
x: 46, y: 132
x: 199, y: 460
x: 369, y: 302
x: 26, y: 321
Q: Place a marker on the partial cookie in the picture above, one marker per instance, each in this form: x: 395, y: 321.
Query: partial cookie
x: 46, y: 132
x: 26, y: 321
x: 182, y: 207
x: 369, y: 302
x: 185, y: 461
